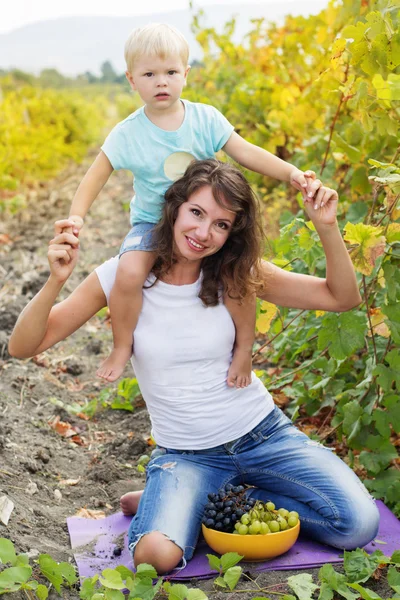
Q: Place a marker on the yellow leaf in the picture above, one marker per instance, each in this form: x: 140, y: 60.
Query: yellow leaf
x: 369, y: 245
x: 393, y: 233
x: 378, y: 323
x: 265, y: 318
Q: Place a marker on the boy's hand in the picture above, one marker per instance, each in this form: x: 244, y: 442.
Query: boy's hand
x: 304, y: 181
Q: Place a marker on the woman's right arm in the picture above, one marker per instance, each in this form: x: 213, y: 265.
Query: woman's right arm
x: 41, y: 324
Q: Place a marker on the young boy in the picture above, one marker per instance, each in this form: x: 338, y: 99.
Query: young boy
x: 156, y: 143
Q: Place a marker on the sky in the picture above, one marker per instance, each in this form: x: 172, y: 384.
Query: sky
x: 21, y: 12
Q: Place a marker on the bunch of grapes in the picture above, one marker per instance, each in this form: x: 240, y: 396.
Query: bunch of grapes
x: 230, y: 511
x: 264, y: 518
x: 225, y: 508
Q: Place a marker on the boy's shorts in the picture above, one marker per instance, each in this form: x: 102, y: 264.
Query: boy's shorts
x: 140, y: 237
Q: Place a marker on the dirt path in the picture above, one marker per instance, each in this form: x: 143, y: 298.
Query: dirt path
x: 37, y: 465
x: 35, y: 459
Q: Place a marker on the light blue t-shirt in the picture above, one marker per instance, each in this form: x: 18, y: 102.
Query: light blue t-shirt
x: 157, y: 157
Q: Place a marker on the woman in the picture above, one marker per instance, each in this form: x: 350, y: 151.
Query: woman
x: 207, y: 433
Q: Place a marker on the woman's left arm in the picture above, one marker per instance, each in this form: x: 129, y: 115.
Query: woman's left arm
x: 338, y: 291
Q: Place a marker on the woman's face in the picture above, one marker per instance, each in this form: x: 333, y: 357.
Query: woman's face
x: 202, y: 226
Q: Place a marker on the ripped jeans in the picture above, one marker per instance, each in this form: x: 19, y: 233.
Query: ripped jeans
x: 283, y: 464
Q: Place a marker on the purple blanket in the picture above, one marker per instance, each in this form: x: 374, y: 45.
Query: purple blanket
x: 94, y: 543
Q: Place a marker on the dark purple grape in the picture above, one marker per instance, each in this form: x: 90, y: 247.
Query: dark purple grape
x: 219, y: 516
x: 227, y: 510
x: 212, y: 513
x: 218, y: 525
x: 210, y: 523
x: 219, y: 505
x: 229, y: 503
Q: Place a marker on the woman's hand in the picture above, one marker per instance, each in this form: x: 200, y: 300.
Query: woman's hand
x: 63, y: 250
x: 322, y: 208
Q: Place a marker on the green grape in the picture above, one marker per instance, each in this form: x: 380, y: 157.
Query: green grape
x: 264, y: 529
x: 267, y: 517
x: 293, y: 513
x: 283, y: 512
x: 274, y: 526
x: 235, y: 532
x: 282, y: 523
x: 270, y: 506
x: 292, y: 521
x: 245, y: 519
x: 243, y: 529
x: 237, y: 525
x: 255, y: 527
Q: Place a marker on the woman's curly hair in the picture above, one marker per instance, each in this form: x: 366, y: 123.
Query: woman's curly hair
x: 235, y: 268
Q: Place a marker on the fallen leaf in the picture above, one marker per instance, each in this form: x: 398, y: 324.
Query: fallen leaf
x: 87, y: 513
x: 64, y: 429
x: 5, y: 238
x: 69, y: 481
x: 6, y: 508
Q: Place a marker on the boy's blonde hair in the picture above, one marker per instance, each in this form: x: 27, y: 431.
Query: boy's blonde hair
x: 155, y: 40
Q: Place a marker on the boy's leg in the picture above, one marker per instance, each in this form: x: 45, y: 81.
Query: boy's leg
x: 244, y: 317
x: 125, y: 306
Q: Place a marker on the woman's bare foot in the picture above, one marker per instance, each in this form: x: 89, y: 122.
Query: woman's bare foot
x: 129, y: 502
x: 239, y: 374
x: 112, y: 368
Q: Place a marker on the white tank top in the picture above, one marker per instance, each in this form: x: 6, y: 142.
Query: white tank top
x: 182, y: 353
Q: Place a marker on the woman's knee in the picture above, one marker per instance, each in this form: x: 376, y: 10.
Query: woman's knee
x: 361, y: 524
x: 157, y: 550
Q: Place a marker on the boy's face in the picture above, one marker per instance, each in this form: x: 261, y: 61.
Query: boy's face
x: 158, y: 81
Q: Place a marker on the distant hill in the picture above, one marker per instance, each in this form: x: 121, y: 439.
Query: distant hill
x: 74, y: 45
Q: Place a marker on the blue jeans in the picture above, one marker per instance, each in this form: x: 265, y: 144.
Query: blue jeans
x: 285, y: 466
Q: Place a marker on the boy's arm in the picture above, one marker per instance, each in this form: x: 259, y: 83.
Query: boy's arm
x: 89, y: 188
x: 261, y: 161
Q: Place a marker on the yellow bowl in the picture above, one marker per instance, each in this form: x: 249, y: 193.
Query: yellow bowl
x: 252, y: 547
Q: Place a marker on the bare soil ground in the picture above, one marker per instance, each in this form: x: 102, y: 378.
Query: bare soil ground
x: 47, y: 476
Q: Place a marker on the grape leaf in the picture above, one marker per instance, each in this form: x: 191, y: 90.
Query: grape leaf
x: 376, y: 461
x: 393, y: 578
x: 343, y: 334
x: 232, y: 576
x: 7, y: 551
x: 302, y: 585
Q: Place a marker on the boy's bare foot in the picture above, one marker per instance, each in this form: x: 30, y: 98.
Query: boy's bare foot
x: 239, y: 374
x: 112, y: 368
x: 129, y: 502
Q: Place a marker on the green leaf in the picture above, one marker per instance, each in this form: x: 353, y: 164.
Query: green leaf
x: 336, y: 581
x: 395, y: 558
x: 343, y: 334
x: 13, y: 576
x: 88, y: 587
x: 220, y: 582
x: 196, y: 594
x: 232, y: 576
x: 42, y: 592
x: 112, y: 579
x: 214, y: 562
x: 393, y: 578
x: 359, y: 566
x: 126, y: 573
x: 302, y: 585
x: 145, y: 570
x: 325, y: 592
x: 382, y: 422
x: 366, y: 594
x: 230, y: 559
x: 114, y: 595
x: 375, y: 462
x: 144, y: 588
x: 68, y: 572
x: 7, y: 551
x: 50, y: 570
x: 352, y: 412
x: 178, y: 591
